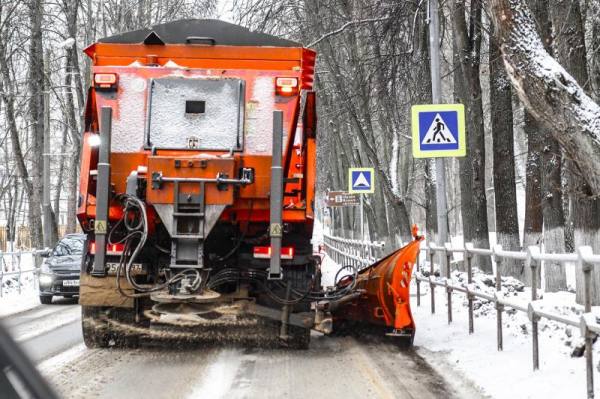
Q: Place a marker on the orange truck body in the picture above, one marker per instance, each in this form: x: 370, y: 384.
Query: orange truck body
x: 194, y: 199
x: 139, y: 63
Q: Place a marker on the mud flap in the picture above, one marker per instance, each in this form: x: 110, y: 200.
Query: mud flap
x: 95, y: 291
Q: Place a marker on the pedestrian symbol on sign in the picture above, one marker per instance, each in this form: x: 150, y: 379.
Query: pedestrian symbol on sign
x: 438, y: 132
x: 361, y: 181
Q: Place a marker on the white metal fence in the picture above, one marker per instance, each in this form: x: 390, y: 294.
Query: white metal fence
x: 15, y: 265
x: 353, y: 252
x: 344, y: 251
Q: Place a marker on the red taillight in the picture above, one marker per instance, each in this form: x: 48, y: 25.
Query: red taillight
x: 105, y: 81
x: 286, y: 86
x: 265, y: 252
x: 111, y: 249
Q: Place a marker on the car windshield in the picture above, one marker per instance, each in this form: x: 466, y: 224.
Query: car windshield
x: 69, y: 246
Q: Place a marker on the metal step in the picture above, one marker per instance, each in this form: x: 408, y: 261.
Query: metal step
x: 188, y: 236
x: 195, y: 214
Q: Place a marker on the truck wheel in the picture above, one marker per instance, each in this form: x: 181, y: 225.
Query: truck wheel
x: 94, y: 327
x: 46, y: 299
x: 299, y: 338
x: 98, y: 332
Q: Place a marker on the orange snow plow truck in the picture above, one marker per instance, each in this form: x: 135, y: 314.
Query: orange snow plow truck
x: 197, y: 195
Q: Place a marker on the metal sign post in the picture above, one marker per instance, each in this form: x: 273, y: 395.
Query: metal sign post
x: 438, y: 130
x: 362, y: 217
x: 436, y: 96
x: 361, y: 181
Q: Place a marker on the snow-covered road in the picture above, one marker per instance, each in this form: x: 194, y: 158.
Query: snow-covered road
x: 332, y: 367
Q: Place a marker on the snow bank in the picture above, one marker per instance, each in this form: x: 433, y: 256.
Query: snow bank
x: 14, y: 300
x: 15, y: 303
x: 450, y: 349
x: 506, y: 374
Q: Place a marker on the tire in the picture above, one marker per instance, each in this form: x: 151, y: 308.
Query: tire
x: 299, y: 338
x: 98, y: 331
x: 46, y: 299
x: 94, y: 328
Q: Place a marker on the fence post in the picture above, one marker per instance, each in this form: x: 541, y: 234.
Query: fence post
x: 585, y: 332
x: 448, y: 253
x: 19, y: 275
x: 531, y: 262
x: 431, y: 255
x: 499, y: 306
x: 468, y: 259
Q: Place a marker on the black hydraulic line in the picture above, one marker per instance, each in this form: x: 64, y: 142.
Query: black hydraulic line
x: 102, y: 193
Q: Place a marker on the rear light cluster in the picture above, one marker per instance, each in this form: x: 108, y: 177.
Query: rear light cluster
x: 111, y: 249
x: 286, y: 86
x: 265, y: 252
x: 105, y: 81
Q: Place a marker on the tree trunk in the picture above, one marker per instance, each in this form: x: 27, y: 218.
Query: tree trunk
x: 549, y: 92
x: 554, y: 220
x: 505, y: 191
x: 472, y: 167
x: 532, y: 233
x: 552, y: 200
x: 7, y: 93
x: 594, y: 21
x: 571, y: 52
x: 74, y: 112
x: 424, y: 96
x: 36, y: 113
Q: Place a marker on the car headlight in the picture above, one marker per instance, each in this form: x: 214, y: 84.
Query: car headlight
x: 45, y: 279
x: 45, y: 268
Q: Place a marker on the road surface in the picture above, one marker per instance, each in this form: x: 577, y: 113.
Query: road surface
x: 333, y: 367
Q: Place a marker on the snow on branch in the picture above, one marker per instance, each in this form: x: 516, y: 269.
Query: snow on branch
x: 346, y: 25
x: 548, y: 91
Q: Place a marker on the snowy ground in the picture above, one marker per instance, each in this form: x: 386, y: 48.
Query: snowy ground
x: 15, y: 303
x: 12, y: 300
x: 506, y: 374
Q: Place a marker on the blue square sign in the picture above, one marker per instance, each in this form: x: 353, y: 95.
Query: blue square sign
x: 438, y: 130
x: 361, y: 180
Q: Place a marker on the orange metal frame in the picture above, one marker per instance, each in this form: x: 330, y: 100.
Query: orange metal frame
x: 247, y: 63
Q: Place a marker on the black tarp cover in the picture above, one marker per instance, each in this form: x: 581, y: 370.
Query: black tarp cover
x: 224, y: 34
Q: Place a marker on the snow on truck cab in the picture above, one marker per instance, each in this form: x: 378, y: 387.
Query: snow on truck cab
x: 197, y: 193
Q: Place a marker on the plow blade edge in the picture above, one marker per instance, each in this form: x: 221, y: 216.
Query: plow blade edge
x: 384, y: 299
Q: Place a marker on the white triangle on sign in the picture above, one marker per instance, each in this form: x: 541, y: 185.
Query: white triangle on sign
x: 438, y: 133
x: 361, y: 181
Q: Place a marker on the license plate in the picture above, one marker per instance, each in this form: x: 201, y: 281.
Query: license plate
x: 70, y: 283
x: 111, y: 268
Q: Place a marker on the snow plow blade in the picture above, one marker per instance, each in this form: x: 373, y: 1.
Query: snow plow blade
x: 384, y: 300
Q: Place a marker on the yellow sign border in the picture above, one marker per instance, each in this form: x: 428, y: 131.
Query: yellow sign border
x: 462, y: 143
x: 351, y: 191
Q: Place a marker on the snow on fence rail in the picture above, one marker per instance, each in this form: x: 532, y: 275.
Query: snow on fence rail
x: 17, y: 264
x: 344, y: 251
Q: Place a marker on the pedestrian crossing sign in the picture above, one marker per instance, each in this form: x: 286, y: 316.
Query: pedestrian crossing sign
x: 438, y: 130
x: 361, y: 180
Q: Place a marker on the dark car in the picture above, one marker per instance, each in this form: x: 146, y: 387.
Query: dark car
x: 59, y: 274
